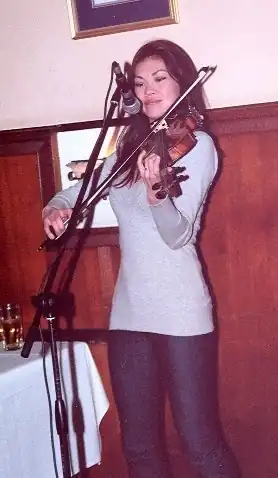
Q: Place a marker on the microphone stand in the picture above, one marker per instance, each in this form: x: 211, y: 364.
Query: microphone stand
x: 47, y: 300
x: 32, y: 331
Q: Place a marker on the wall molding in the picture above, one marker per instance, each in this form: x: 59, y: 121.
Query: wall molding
x: 245, y: 119
x: 228, y: 120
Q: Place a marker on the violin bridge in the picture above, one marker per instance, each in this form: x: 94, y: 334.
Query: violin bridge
x: 162, y: 125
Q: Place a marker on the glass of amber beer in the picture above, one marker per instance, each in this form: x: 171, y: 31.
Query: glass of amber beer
x: 12, y: 330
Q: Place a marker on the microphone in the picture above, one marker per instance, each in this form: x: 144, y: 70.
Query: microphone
x: 131, y: 104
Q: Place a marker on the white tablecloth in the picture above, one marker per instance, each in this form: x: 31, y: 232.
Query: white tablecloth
x: 25, y: 444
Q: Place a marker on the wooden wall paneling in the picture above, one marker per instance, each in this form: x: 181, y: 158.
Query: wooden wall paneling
x: 240, y: 248
x: 21, y: 199
x: 92, y: 284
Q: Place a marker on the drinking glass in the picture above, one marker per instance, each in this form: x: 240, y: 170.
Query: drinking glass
x: 12, y: 328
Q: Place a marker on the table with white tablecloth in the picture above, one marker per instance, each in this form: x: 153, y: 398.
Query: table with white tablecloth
x: 25, y: 438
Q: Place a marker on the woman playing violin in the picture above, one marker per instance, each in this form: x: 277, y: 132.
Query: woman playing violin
x: 162, y: 340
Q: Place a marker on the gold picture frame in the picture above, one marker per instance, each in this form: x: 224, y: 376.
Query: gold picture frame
x: 89, y: 18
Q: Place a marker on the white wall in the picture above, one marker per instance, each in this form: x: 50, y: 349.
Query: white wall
x: 48, y: 78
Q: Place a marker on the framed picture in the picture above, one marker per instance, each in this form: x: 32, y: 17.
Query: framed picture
x: 74, y: 150
x: 90, y: 18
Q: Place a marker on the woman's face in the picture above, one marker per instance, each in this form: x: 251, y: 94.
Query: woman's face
x: 155, y: 87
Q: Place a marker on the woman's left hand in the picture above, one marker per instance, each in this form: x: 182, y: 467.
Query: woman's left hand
x: 149, y: 168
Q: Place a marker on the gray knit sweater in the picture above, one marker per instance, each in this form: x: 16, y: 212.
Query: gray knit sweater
x: 160, y: 286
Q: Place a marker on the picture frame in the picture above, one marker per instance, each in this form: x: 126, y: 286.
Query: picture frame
x: 74, y: 148
x: 89, y: 18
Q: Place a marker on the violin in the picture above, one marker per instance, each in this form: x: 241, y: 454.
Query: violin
x: 172, y: 140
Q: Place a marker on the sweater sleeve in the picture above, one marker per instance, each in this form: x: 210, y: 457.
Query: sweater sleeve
x: 66, y: 198
x: 175, y: 217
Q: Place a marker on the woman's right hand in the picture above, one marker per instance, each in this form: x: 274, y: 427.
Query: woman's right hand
x: 53, y: 220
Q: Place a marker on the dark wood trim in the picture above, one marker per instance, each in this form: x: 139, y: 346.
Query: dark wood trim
x: 46, y: 166
x: 245, y: 119
x: 227, y: 120
x: 94, y: 237
x: 21, y: 148
x: 56, y: 161
x: 28, y: 134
